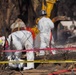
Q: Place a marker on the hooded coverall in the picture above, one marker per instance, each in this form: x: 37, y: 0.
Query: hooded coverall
x: 21, y: 39
x: 45, y: 25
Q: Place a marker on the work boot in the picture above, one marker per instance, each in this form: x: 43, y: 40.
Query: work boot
x: 53, y: 52
x: 42, y: 53
x: 29, y: 66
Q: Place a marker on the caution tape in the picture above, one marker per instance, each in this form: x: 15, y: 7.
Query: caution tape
x: 40, y: 61
x: 35, y: 50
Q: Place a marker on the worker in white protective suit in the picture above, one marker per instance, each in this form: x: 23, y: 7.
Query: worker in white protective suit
x: 45, y: 25
x: 20, y: 38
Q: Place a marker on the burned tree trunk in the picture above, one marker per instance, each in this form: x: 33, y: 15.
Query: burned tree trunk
x: 27, y: 12
x: 9, y: 12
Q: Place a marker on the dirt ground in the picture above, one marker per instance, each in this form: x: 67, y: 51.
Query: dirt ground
x: 44, y: 68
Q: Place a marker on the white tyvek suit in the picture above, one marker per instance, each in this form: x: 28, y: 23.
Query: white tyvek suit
x: 21, y: 39
x: 45, y: 25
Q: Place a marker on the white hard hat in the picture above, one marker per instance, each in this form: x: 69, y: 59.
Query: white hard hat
x: 43, y: 12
